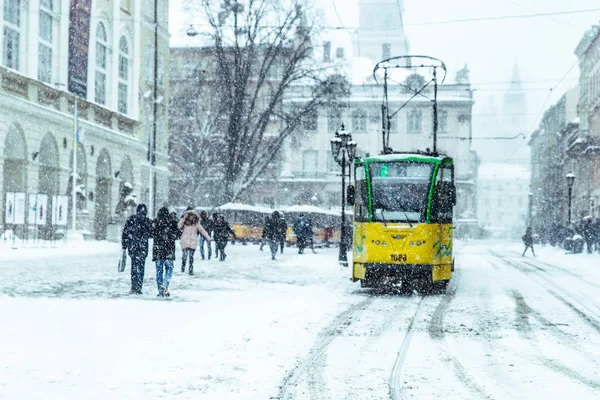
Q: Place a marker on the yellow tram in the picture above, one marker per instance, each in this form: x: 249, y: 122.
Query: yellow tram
x: 246, y: 220
x: 403, y: 209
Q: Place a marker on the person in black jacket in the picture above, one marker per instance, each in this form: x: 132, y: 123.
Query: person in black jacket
x: 271, y: 233
x: 281, y: 229
x: 222, y: 230
x: 303, y: 231
x: 165, y: 234
x: 207, y: 224
x: 214, y: 223
x: 528, y: 241
x: 136, y: 232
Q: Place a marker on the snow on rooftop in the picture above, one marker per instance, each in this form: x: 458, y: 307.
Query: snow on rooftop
x: 307, y: 209
x: 244, y: 207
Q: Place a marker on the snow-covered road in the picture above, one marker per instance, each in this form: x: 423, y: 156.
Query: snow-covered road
x: 507, y: 328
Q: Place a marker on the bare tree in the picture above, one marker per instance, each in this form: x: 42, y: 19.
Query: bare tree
x: 196, y: 143
x: 261, y: 52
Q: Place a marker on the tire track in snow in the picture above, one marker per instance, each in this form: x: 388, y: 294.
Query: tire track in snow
x: 436, y: 325
x: 557, y: 292
x: 564, y: 270
x: 522, y: 313
x: 436, y: 332
x: 327, y: 335
x: 396, y: 376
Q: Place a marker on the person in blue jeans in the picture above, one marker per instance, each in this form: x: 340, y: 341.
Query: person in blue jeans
x: 207, y: 224
x: 165, y: 232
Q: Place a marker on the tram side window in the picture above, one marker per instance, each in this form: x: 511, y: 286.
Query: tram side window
x: 362, y: 198
x: 442, y: 207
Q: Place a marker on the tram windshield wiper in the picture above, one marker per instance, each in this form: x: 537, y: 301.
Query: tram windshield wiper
x: 383, y: 218
x: 407, y: 220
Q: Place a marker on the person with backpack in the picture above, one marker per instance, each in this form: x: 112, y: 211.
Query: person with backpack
x: 222, y: 230
x: 528, y: 241
x: 190, y: 228
x: 165, y: 232
x: 303, y: 231
x: 136, y: 233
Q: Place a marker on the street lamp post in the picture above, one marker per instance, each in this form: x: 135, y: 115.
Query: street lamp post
x: 570, y: 180
x: 343, y: 150
x: 530, y: 208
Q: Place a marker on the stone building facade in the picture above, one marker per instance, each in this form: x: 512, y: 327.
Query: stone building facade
x: 54, y: 52
x: 584, y: 145
x: 551, y: 145
x: 309, y: 173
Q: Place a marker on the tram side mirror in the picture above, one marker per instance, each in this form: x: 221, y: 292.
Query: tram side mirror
x: 350, y: 195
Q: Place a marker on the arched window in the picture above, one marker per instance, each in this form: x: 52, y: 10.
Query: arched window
x: 45, y: 46
x: 11, y: 44
x: 101, y: 61
x: 123, y: 75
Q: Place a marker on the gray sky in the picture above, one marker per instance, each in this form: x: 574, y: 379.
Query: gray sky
x: 543, y: 46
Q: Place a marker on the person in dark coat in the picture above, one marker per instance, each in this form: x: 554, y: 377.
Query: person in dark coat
x: 207, y: 224
x: 214, y: 220
x: 222, y: 230
x: 588, y: 235
x: 136, y: 232
x: 281, y: 230
x: 272, y: 232
x: 303, y: 231
x: 528, y: 241
x: 165, y: 232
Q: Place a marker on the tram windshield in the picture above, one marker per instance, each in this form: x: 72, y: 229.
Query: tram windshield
x: 400, y: 190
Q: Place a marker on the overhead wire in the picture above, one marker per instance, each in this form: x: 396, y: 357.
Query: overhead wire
x: 503, y: 17
x: 402, y: 25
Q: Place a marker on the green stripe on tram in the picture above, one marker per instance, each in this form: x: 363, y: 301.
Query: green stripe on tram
x: 430, y: 197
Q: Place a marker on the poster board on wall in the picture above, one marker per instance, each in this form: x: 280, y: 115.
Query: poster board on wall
x: 60, y: 208
x: 9, y: 210
x: 41, y: 215
x: 20, y: 208
x: 32, y: 208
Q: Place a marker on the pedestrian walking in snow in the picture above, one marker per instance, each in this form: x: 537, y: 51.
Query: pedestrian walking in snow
x: 596, y: 234
x: 588, y: 235
x: 136, y: 232
x: 303, y: 231
x: 214, y: 220
x: 281, y: 228
x: 528, y: 241
x: 222, y: 230
x: 165, y: 233
x: 190, y: 228
x: 207, y: 224
x: 272, y: 232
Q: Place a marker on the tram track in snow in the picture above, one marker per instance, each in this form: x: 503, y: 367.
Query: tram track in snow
x: 396, y: 392
x: 305, y: 371
x: 326, y: 337
x: 584, y: 312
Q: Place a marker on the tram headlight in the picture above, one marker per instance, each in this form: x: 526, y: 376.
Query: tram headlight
x: 377, y: 242
x: 419, y: 243
x: 384, y: 244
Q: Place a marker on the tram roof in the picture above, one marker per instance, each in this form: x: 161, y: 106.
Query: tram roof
x: 416, y: 157
x: 244, y: 207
